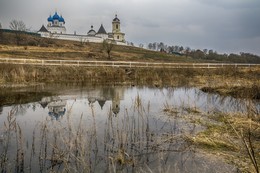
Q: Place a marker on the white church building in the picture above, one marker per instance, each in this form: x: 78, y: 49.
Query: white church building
x: 56, y: 29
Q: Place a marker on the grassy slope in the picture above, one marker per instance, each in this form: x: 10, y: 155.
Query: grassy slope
x: 61, y: 49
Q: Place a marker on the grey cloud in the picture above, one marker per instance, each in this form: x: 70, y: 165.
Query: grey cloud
x: 232, y: 4
x: 145, y: 23
x: 223, y: 25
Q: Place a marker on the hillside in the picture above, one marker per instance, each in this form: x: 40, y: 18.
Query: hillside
x: 31, y: 46
x: 44, y: 48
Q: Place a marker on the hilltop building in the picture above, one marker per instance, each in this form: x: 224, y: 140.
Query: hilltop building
x: 116, y: 32
x: 56, y: 24
x: 56, y: 29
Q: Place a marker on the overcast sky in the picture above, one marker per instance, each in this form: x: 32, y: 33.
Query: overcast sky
x: 222, y: 25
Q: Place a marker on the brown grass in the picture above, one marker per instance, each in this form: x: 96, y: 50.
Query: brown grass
x: 241, y: 83
x: 225, y: 81
x: 230, y: 140
x: 43, y: 48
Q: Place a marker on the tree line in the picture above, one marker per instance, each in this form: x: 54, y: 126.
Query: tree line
x: 204, y: 54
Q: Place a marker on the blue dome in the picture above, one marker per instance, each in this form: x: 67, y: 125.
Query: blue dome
x: 61, y: 19
x: 50, y: 19
x: 56, y: 16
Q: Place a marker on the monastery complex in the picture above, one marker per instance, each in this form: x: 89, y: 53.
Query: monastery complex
x: 56, y: 29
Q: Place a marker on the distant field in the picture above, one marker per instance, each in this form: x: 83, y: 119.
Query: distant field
x: 89, y: 51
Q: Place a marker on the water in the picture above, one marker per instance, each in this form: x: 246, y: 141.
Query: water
x: 121, y: 98
x: 115, y: 119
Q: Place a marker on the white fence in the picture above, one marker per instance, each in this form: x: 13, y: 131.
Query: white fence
x: 127, y: 64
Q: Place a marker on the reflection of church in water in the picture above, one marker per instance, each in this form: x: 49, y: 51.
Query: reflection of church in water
x: 115, y: 94
x: 57, y: 106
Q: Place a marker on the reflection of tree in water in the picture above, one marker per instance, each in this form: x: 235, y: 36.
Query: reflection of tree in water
x: 19, y: 109
x: 91, y: 101
x: 33, y: 107
x: 1, y: 110
x: 217, y: 103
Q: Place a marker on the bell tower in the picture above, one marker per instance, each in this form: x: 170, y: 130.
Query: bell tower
x: 116, y: 25
x: 116, y: 31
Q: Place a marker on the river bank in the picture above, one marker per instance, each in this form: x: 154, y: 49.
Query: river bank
x: 236, y: 82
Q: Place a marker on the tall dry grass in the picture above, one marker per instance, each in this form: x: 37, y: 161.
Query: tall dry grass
x: 230, y: 78
x: 234, y: 137
x: 126, y: 143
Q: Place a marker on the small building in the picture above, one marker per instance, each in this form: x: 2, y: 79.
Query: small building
x: 44, y: 32
x: 91, y: 32
x: 102, y: 33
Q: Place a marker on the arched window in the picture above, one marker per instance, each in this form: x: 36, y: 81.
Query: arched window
x: 116, y: 26
x: 118, y: 37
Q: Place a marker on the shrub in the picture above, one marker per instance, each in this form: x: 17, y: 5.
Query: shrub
x: 32, y: 43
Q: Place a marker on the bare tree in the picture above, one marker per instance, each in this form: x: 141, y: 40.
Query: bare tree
x: 166, y: 48
x: 19, y: 27
x: 176, y: 48
x: 160, y: 45
x: 82, y: 40
x: 181, y: 48
x: 170, y: 49
x: 205, y: 51
x: 210, y: 51
x: 108, y: 46
x: 150, y: 46
x: 154, y: 46
x: 187, y: 51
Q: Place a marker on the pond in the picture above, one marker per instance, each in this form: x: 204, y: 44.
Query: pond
x: 110, y: 129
